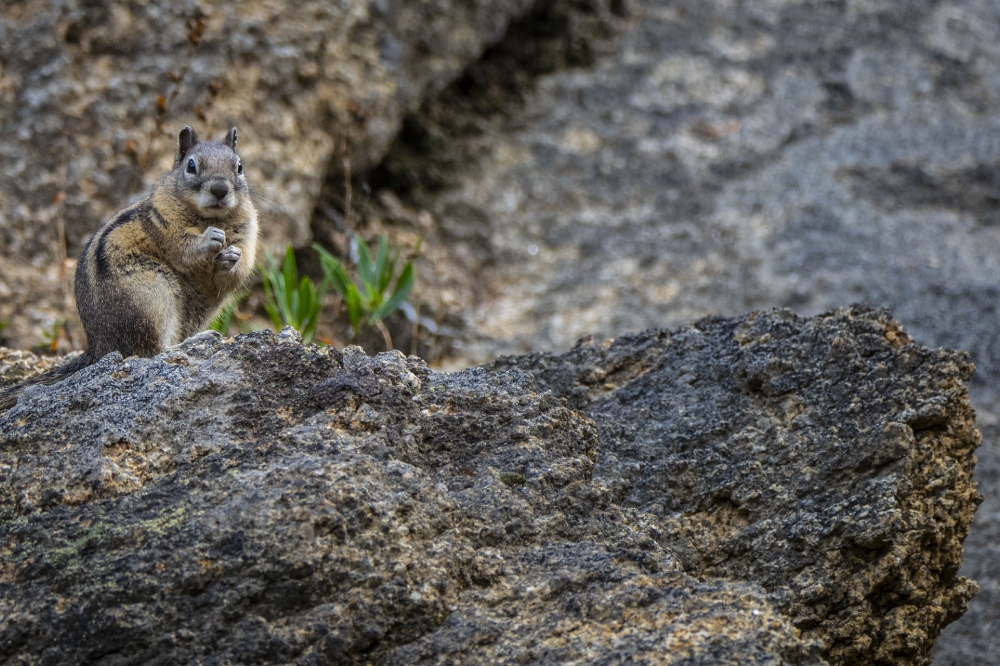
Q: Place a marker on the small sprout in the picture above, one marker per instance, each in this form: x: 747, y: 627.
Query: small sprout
x: 50, y: 336
x: 370, y: 300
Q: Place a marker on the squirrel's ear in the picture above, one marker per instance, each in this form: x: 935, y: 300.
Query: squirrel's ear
x: 185, y: 141
x: 231, y: 139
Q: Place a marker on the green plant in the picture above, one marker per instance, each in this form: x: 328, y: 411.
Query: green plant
x: 223, y: 321
x: 370, y: 301
x: 291, y: 301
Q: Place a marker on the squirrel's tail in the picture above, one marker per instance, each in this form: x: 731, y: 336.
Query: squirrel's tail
x: 9, y: 396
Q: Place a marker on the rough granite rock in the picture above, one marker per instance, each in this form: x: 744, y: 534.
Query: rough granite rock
x: 79, y: 89
x: 716, y: 157
x: 830, y: 456
x: 696, y: 496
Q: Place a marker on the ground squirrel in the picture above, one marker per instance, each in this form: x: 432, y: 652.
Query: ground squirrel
x: 158, y: 271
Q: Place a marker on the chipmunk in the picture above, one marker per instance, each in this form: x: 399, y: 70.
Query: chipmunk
x: 158, y: 271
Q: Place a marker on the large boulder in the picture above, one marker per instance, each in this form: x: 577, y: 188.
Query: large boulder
x: 766, y: 489
x: 714, y: 158
x: 816, y: 456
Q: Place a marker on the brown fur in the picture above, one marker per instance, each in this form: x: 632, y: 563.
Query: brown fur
x: 158, y: 271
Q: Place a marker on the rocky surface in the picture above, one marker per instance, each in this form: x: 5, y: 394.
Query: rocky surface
x: 606, y: 167
x: 17, y: 365
x: 823, y: 454
x: 717, y: 157
x: 767, y: 489
x: 83, y: 128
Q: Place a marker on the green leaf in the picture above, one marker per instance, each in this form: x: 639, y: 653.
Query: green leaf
x: 354, y: 309
x: 268, y: 274
x: 368, y: 299
x: 403, y: 287
x: 224, y: 319
x: 365, y: 268
x: 309, y: 325
x: 308, y: 309
x: 328, y: 262
x: 273, y: 314
x: 291, y: 300
x: 386, y: 276
x: 372, y: 298
x: 290, y: 274
x: 381, y: 281
x: 342, y: 281
x: 333, y: 270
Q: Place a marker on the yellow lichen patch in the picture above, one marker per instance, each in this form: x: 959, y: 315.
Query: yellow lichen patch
x: 287, y: 415
x: 167, y: 521
x: 211, y: 567
x: 77, y: 493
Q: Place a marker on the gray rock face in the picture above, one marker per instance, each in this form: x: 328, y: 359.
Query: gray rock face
x: 719, y: 157
x: 765, y: 490
x: 80, y: 118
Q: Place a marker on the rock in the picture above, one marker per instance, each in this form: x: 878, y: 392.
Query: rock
x: 17, y: 365
x: 712, y: 159
x: 819, y: 455
x: 717, y: 157
x: 765, y: 489
x: 92, y: 96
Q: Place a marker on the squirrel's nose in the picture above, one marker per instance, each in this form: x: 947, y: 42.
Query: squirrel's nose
x: 220, y: 190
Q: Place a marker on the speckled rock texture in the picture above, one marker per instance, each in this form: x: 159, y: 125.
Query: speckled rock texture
x: 762, y: 490
x: 715, y: 157
x: 80, y: 89
x: 831, y: 457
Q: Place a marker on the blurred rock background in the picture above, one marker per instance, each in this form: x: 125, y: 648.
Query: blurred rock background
x: 574, y: 166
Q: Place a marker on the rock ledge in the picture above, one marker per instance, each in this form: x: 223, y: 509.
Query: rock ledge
x: 766, y: 489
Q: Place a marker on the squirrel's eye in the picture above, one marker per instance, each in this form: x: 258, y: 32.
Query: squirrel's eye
x: 239, y: 167
x: 191, y: 167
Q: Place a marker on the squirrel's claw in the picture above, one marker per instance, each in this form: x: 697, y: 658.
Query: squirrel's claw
x: 228, y: 258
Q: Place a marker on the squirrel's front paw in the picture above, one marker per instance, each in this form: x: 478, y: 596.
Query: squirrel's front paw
x: 228, y: 258
x: 213, y: 240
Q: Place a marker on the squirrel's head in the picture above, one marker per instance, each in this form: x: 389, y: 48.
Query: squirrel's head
x: 208, y: 175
